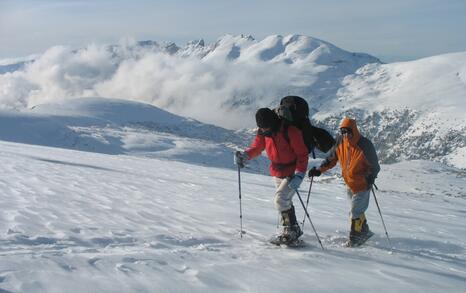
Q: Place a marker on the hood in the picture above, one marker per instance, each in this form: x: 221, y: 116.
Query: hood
x: 351, y: 123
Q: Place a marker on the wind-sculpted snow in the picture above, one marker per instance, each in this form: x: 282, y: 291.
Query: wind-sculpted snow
x: 75, y: 221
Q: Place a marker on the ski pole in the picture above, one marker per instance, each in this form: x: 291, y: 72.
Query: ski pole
x: 307, y: 201
x: 309, y: 217
x: 240, y: 208
x: 380, y: 213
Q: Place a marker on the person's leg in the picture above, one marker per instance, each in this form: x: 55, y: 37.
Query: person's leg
x: 283, y: 195
x: 359, y: 227
x: 284, y: 204
x: 359, y: 203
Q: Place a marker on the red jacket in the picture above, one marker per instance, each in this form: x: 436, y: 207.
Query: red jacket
x: 286, y: 157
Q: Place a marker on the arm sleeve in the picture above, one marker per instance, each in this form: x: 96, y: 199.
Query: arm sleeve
x: 332, y: 158
x: 299, y: 148
x: 256, y: 148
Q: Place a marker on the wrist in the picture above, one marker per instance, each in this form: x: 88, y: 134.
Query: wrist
x: 299, y: 174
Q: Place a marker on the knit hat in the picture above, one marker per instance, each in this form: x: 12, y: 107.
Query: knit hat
x: 266, y: 118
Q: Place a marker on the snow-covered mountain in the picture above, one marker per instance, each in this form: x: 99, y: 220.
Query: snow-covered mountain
x: 413, y: 110
x: 410, y: 110
x: 236, y: 73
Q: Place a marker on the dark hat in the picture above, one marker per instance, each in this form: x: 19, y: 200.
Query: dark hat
x: 266, y: 118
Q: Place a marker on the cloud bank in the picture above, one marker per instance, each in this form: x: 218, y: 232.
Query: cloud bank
x: 205, y: 89
x: 221, y: 83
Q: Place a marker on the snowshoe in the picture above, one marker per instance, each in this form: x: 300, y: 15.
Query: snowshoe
x: 291, y: 230
x: 289, y: 237
x: 358, y: 240
x: 281, y: 241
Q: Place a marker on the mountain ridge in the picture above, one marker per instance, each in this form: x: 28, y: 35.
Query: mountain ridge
x: 223, y: 83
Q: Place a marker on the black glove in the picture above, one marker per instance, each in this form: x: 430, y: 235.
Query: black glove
x: 370, y: 180
x: 314, y: 172
x: 240, y: 158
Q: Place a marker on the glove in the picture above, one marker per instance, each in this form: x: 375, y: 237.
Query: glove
x: 314, y: 172
x: 296, y: 180
x: 370, y: 180
x: 241, y: 158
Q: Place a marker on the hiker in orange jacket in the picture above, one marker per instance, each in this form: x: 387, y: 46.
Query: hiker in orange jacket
x: 288, y: 166
x: 359, y: 165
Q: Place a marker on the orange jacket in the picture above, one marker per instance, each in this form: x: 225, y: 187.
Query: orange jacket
x: 357, y: 156
x: 287, y: 157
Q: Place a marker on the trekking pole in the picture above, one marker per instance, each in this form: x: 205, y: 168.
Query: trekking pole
x: 240, y: 208
x: 309, y: 217
x: 380, y: 213
x: 307, y: 201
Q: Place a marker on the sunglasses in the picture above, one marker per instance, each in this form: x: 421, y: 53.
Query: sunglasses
x: 345, y: 131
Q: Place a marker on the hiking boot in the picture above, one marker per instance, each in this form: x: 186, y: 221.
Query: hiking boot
x: 291, y: 230
x: 365, y: 228
x: 359, y: 232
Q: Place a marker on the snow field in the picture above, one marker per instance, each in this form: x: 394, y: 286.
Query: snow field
x: 78, y: 221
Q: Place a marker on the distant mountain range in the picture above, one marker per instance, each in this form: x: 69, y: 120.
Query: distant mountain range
x: 411, y: 110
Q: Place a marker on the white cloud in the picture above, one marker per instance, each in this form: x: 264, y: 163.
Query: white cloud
x: 204, y: 89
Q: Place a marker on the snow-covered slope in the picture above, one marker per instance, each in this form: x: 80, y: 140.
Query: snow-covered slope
x: 114, y: 126
x: 74, y: 221
x: 410, y: 110
x: 413, y: 110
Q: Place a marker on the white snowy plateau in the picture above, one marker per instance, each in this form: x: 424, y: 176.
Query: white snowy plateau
x: 118, y: 175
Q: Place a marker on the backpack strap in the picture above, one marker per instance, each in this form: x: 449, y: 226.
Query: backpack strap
x: 287, y: 137
x: 285, y: 132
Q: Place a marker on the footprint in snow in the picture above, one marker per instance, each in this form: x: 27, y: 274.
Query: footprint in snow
x: 124, y: 268
x: 92, y: 261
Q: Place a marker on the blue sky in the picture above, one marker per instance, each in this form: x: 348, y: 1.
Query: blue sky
x: 391, y: 30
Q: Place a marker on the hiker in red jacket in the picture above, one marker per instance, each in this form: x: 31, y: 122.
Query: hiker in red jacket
x: 288, y: 166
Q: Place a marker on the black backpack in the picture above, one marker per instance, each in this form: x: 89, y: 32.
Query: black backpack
x: 294, y: 110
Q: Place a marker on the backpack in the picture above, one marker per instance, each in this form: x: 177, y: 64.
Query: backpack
x: 294, y: 110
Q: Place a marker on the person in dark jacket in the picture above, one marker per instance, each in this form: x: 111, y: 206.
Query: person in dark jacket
x: 288, y: 166
x: 359, y: 166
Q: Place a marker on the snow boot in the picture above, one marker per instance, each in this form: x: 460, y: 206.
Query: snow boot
x: 359, y: 232
x: 291, y: 230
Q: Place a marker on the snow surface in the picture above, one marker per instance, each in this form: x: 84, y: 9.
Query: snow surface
x: 148, y: 208
x: 114, y: 126
x: 82, y: 222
